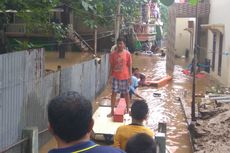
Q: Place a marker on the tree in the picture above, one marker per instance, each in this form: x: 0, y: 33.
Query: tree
x: 34, y: 13
x: 131, y: 9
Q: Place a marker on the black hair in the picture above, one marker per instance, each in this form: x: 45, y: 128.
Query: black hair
x: 70, y: 115
x: 121, y: 39
x: 133, y: 69
x: 139, y: 109
x: 141, y: 143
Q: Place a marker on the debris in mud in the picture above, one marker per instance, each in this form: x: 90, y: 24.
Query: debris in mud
x: 211, y: 134
x: 156, y: 94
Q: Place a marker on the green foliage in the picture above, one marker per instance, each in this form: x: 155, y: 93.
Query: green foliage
x: 193, y: 2
x: 102, y: 12
x: 130, y: 9
x: 164, y: 17
x: 23, y: 45
x: 60, y: 32
x: 167, y: 2
x: 93, y: 13
x: 33, y: 12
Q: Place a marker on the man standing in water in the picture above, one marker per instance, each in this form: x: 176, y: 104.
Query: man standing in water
x: 121, y: 72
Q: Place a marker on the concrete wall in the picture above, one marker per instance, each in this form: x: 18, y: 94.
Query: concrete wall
x: 218, y: 15
x: 182, y: 37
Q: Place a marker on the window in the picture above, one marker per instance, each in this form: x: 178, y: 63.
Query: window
x: 220, y: 54
x: 213, y: 51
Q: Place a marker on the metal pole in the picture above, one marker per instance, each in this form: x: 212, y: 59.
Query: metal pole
x: 193, y: 109
x: 95, y: 41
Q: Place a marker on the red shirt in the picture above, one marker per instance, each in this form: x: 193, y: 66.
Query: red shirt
x: 120, y: 63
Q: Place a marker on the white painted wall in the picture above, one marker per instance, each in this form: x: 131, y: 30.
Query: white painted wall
x: 219, y: 15
x: 182, y: 37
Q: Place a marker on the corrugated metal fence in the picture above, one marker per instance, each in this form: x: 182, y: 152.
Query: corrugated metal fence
x: 25, y: 90
x: 87, y: 78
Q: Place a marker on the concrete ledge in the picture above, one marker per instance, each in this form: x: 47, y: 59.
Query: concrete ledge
x: 32, y: 145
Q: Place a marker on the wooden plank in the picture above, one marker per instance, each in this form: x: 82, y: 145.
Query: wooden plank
x: 219, y: 98
x: 104, y: 124
x: 223, y: 101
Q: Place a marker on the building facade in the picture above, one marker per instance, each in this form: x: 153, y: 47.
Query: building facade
x: 218, y: 43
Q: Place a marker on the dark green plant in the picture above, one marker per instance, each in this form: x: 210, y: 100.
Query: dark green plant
x: 24, y: 45
x: 130, y: 9
x: 164, y: 18
x: 33, y: 13
x: 60, y: 32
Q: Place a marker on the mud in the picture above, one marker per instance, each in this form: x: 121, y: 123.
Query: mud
x: 212, y: 131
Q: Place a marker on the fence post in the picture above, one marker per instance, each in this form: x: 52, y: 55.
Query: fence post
x: 161, y: 137
x: 32, y: 145
x: 59, y: 69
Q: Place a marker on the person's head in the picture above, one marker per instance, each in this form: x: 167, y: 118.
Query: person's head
x: 141, y: 143
x: 139, y: 110
x: 70, y: 116
x: 120, y: 44
x: 136, y: 72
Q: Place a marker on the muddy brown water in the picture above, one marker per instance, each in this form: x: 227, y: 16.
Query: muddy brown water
x: 162, y: 109
x: 165, y: 108
x: 52, y: 60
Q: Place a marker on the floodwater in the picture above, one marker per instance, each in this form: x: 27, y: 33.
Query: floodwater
x: 52, y: 60
x: 162, y: 109
x: 165, y: 108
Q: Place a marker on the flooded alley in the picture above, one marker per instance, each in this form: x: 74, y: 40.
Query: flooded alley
x: 50, y: 47
x: 166, y: 108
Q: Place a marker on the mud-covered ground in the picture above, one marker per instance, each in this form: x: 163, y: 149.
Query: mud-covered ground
x: 212, y: 131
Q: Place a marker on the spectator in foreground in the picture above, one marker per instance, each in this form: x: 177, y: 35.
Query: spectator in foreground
x: 70, y: 121
x: 139, y: 112
x: 141, y: 143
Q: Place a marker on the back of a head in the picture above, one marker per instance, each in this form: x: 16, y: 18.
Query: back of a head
x: 141, y: 143
x: 139, y: 109
x: 70, y: 115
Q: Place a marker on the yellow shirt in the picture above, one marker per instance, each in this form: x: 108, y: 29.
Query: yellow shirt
x: 124, y: 132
